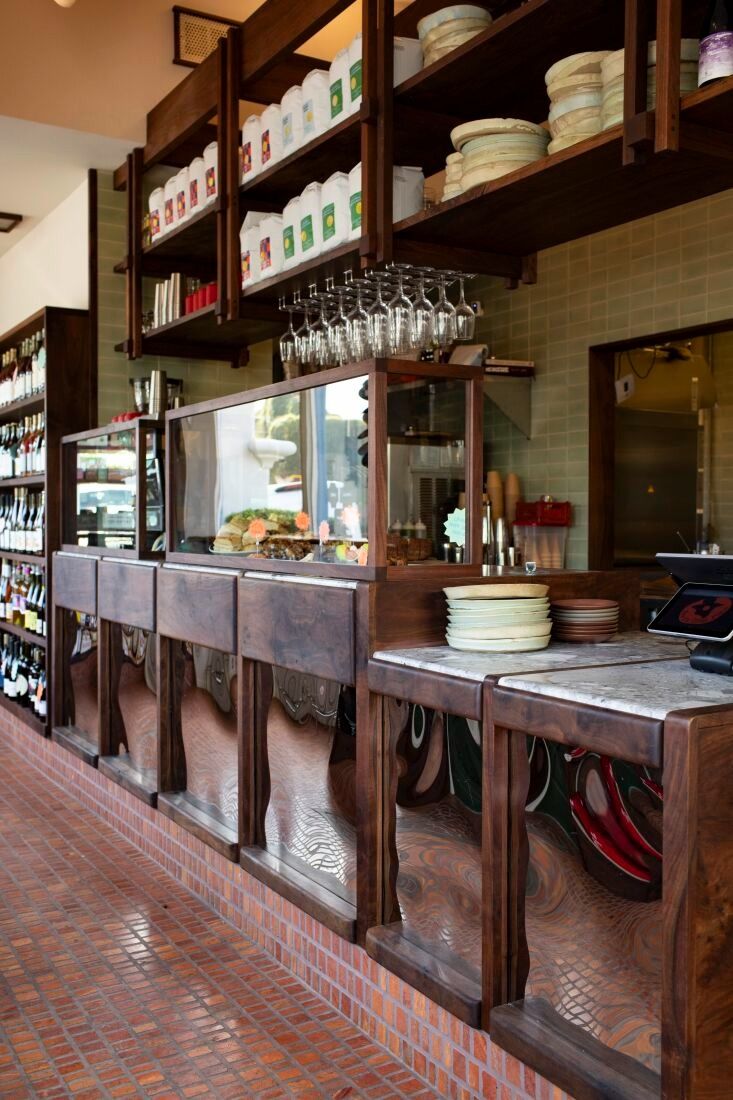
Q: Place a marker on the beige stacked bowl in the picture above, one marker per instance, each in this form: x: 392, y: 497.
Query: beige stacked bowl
x: 498, y: 618
x: 453, y: 176
x: 612, y: 72
x: 575, y: 88
x: 493, y: 147
x: 443, y: 31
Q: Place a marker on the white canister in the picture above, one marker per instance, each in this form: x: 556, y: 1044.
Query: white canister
x: 155, y: 209
x: 335, y: 226
x: 316, y: 106
x: 355, y: 202
x: 271, y: 245
x: 311, y: 241
x: 407, y: 59
x: 196, y: 184
x: 271, y: 145
x: 169, y: 208
x: 211, y: 166
x: 355, y: 74
x: 408, y: 189
x: 182, y: 208
x: 338, y: 86
x: 249, y: 248
x: 251, y: 147
x: 291, y: 116
x: 291, y: 233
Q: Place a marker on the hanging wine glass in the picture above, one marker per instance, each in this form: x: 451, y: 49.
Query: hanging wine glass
x: 301, y: 337
x: 320, y: 350
x: 378, y: 314
x: 400, y: 320
x: 359, y: 345
x: 444, y: 318
x: 288, y: 341
x: 422, y: 317
x: 338, y: 332
x: 465, y: 317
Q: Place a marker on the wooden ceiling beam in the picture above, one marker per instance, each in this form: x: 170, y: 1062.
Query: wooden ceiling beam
x: 276, y: 29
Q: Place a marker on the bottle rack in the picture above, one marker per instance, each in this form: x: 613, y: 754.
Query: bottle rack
x: 66, y: 404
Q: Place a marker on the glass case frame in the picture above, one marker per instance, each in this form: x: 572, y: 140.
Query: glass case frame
x: 139, y: 429
x: 378, y: 373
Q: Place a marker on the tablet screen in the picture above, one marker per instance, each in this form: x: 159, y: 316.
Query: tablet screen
x: 698, y: 611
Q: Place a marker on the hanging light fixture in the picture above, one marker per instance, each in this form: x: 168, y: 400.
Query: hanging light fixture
x: 65, y: 3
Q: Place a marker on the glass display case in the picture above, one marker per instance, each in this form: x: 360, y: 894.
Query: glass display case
x: 345, y: 472
x: 114, y: 489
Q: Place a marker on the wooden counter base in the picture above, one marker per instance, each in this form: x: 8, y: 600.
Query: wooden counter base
x: 203, y: 822
x: 75, y: 740
x: 282, y: 875
x: 122, y: 771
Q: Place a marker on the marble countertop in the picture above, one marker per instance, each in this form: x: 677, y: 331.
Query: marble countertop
x: 652, y: 690
x: 623, y: 649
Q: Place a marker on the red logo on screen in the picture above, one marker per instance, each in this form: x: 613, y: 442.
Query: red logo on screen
x: 706, y: 610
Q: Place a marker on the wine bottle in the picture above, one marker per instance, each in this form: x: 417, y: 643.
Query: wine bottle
x: 716, y: 43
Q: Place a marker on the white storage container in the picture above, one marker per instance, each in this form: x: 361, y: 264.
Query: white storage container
x: 335, y: 228
x: 249, y: 248
x: 316, y: 105
x: 407, y: 59
x: 355, y: 74
x: 182, y: 210
x: 155, y: 209
x: 291, y: 233
x: 211, y: 165
x: 271, y: 145
x: 355, y: 202
x: 169, y: 209
x: 271, y: 245
x: 291, y: 115
x: 311, y: 241
x: 251, y: 147
x: 196, y: 184
x: 338, y: 86
x: 407, y: 192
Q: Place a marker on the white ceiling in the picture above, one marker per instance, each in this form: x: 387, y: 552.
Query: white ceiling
x: 42, y: 164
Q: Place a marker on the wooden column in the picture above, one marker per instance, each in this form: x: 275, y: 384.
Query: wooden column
x: 638, y: 123
x: 222, y: 176
x: 669, y: 38
x: 231, y: 173
x: 133, y: 274
x: 474, y: 471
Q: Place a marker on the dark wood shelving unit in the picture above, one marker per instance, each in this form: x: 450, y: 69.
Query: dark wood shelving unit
x: 67, y: 404
x: 191, y: 243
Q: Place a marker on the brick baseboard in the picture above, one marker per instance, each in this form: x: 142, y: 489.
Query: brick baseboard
x: 457, y: 1061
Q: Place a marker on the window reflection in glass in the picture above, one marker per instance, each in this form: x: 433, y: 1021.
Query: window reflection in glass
x: 209, y: 728
x: 81, y: 673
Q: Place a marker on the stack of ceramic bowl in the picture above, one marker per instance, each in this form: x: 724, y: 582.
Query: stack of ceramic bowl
x: 453, y: 176
x: 493, y: 147
x: 584, y: 620
x: 445, y: 30
x: 612, y: 72
x: 498, y: 618
x: 575, y: 88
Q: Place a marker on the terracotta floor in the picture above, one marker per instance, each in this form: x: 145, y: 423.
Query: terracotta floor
x: 114, y: 981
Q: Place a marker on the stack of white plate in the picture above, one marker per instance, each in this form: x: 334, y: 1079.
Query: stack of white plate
x: 453, y: 176
x: 493, y: 147
x: 498, y: 618
x: 612, y: 72
x: 575, y: 87
x: 445, y: 30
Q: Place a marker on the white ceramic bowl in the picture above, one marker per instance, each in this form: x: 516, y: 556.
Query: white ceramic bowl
x: 445, y: 15
x: 486, y: 127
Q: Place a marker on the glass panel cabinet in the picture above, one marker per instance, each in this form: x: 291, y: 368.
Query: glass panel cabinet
x: 113, y: 492
x: 345, y: 472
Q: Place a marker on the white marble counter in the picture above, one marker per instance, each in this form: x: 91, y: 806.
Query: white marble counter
x: 651, y: 689
x: 623, y: 649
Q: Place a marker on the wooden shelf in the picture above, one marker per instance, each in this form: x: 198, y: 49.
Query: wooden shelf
x: 198, y: 335
x: 338, y: 149
x: 24, y: 635
x: 581, y: 190
x: 23, y: 714
x: 190, y: 247
x: 26, y: 559
x: 22, y: 407
x: 331, y: 263
x: 31, y: 480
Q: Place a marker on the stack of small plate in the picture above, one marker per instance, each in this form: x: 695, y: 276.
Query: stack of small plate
x: 584, y: 620
x: 574, y: 86
x: 453, y: 176
x: 498, y: 618
x: 445, y: 30
x: 493, y: 147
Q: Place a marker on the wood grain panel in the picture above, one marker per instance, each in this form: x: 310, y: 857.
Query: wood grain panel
x: 307, y: 628
x: 126, y: 593
x: 199, y: 607
x: 75, y: 582
x: 445, y: 693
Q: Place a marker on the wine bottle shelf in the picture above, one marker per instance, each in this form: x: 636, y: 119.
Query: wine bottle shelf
x: 36, y: 480
x: 24, y: 635
x: 24, y: 405
x: 24, y: 714
x: 25, y: 559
